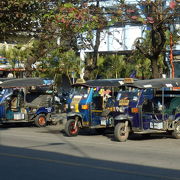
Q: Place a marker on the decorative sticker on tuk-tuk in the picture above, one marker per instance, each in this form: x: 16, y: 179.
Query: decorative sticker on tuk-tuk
x: 148, y: 85
x: 49, y: 109
x: 75, y: 101
x: 128, y: 80
x: 121, y: 82
x: 169, y: 85
x: 124, y: 102
x: 85, y: 123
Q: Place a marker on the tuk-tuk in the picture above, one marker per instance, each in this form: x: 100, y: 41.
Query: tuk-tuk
x: 91, y: 104
x: 149, y: 106
x: 26, y: 100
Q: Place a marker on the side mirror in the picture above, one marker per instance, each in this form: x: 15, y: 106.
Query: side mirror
x: 8, y: 98
x: 135, y: 98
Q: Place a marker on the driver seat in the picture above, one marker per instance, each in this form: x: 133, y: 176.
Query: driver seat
x: 148, y: 106
x: 14, y: 103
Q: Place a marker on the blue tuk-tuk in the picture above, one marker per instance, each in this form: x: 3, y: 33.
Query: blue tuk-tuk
x: 92, y: 104
x: 26, y: 100
x: 149, y: 106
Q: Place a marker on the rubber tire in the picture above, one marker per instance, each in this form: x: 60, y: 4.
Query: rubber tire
x: 69, y: 130
x: 176, y: 132
x: 117, y: 132
x: 40, y: 120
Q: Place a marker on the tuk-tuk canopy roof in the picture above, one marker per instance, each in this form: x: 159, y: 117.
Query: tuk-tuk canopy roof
x: 157, y: 83
x: 5, y: 79
x: 148, y: 83
x: 22, y: 82
x: 103, y: 82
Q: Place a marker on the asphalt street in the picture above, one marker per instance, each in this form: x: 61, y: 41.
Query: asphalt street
x: 27, y: 152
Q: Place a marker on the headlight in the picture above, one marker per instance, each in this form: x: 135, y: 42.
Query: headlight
x: 34, y: 110
x: 121, y: 109
x: 72, y: 107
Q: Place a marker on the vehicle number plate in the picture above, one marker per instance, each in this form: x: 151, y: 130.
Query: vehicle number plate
x: 155, y: 125
x: 103, y: 122
x: 124, y: 102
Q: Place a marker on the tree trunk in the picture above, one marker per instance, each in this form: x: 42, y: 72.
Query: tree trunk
x: 93, y: 63
x: 96, y: 47
x: 155, y: 68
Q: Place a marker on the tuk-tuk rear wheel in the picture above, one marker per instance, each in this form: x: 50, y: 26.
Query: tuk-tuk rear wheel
x: 70, y: 128
x: 176, y: 132
x: 40, y: 120
x: 119, y: 133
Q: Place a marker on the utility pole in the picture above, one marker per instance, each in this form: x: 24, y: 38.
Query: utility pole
x: 171, y: 55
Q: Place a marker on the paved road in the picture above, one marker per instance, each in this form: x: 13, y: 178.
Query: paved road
x: 46, y: 153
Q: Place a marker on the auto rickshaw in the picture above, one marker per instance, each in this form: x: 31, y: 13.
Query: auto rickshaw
x: 92, y: 104
x: 149, y: 106
x: 26, y: 100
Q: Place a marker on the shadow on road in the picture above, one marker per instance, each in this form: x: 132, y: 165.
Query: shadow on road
x: 140, y: 137
x: 110, y: 134
x: 21, y: 163
x: 15, y: 125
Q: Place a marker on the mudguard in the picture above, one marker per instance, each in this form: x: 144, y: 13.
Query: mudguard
x: 70, y: 115
x: 122, y: 117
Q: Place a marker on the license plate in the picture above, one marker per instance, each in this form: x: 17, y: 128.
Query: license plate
x: 103, y: 122
x: 154, y: 125
x: 124, y: 102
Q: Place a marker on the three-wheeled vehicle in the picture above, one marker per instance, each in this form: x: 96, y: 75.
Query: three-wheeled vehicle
x: 91, y: 105
x: 149, y: 106
x: 26, y: 100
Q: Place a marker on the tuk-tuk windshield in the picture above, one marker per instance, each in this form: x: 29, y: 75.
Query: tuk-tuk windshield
x: 4, y: 92
x: 130, y: 95
x: 79, y: 90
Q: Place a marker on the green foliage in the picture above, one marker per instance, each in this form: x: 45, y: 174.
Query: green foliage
x: 141, y: 64
x: 120, y: 66
x: 113, y: 66
x: 67, y: 63
x: 21, y: 18
x: 18, y: 52
x: 74, y: 20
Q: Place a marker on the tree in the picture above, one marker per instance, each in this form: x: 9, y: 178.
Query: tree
x: 22, y: 20
x: 152, y: 13
x: 76, y: 23
x: 156, y: 17
x: 113, y: 66
x: 141, y: 65
x: 73, y: 23
x: 62, y: 64
x: 43, y: 20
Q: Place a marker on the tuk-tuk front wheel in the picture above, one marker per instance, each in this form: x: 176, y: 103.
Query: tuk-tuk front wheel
x: 71, y: 128
x: 176, y: 132
x: 40, y: 120
x: 121, y: 132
